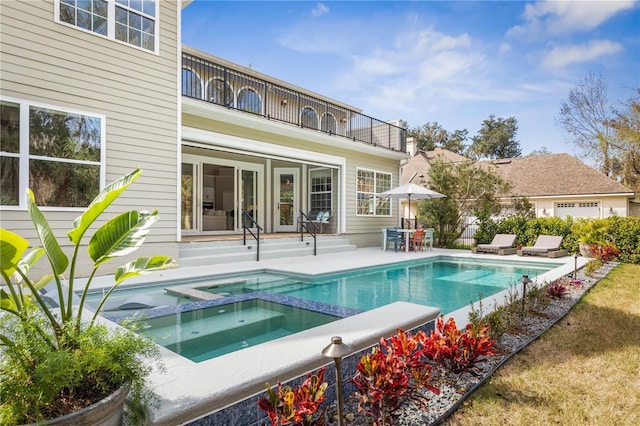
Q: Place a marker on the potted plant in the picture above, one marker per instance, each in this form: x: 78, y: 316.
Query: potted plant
x: 57, y: 358
x: 590, y: 234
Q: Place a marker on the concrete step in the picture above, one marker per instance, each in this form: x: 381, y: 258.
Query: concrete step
x: 218, y: 252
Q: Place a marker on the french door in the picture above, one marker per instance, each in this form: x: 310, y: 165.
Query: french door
x: 214, y: 193
x: 287, y: 199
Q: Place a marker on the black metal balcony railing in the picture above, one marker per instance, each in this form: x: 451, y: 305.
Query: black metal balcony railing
x: 221, y: 85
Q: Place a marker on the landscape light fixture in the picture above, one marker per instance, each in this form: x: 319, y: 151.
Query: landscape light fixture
x: 524, y: 280
x: 338, y: 350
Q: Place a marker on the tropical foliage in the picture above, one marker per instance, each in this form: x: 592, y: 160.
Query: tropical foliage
x: 49, y: 342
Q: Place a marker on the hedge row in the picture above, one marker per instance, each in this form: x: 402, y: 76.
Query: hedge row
x: 623, y: 232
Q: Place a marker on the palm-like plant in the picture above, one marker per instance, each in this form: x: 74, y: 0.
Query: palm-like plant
x: 61, y: 327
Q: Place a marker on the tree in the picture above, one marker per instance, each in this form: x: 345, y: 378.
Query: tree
x: 539, y: 152
x: 470, y: 192
x: 432, y: 135
x: 584, y: 115
x: 496, y: 139
x: 626, y: 140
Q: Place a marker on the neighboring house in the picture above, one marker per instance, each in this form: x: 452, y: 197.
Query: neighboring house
x: 556, y: 184
x: 92, y: 90
x: 561, y: 185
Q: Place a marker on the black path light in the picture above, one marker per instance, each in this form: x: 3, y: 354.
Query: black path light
x: 524, y: 280
x: 338, y: 350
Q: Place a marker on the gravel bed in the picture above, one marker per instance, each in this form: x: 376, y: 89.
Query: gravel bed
x: 454, y: 390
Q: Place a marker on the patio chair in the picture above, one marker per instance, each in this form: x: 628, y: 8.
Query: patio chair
x: 501, y: 244
x: 428, y: 238
x: 545, y: 245
x: 395, y: 237
x: 321, y: 219
x: 417, y: 239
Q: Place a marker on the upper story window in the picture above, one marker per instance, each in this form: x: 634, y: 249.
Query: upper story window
x: 219, y: 92
x: 134, y: 22
x: 309, y: 117
x: 249, y: 100
x: 57, y: 153
x: 191, y: 84
x: 370, y: 183
x: 329, y: 124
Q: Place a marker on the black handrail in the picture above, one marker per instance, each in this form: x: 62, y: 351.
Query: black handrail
x: 216, y: 83
x: 245, y: 228
x: 304, y: 220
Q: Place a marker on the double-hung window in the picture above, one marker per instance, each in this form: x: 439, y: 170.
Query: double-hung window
x: 320, y: 190
x: 370, y: 183
x: 57, y: 153
x: 133, y: 22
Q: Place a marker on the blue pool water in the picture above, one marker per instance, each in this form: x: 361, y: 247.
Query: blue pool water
x: 253, y: 308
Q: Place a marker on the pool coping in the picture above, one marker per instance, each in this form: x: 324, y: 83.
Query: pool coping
x: 189, y: 390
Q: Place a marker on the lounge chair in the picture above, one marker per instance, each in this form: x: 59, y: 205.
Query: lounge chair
x: 545, y: 245
x: 501, y: 244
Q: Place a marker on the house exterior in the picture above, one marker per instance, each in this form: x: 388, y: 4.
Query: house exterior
x: 561, y: 185
x: 92, y: 90
x: 557, y: 184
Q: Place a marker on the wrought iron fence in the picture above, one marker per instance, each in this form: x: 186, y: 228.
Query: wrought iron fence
x: 218, y: 84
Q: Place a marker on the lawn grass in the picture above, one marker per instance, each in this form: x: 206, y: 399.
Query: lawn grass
x: 584, y: 371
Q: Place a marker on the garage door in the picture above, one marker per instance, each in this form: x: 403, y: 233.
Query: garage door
x: 578, y: 209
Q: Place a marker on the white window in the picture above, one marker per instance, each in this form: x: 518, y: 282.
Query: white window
x: 309, y: 118
x: 369, y: 184
x: 134, y: 22
x: 57, y: 153
x: 320, y: 190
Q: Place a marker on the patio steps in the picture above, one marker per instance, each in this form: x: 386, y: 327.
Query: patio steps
x: 220, y: 252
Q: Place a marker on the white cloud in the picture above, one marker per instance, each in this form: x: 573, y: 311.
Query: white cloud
x: 504, y: 48
x: 557, y: 17
x: 562, y: 56
x: 320, y: 9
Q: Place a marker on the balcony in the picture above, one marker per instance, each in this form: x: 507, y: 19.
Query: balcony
x: 221, y: 85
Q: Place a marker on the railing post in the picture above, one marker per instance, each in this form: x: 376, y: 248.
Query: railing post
x: 258, y: 246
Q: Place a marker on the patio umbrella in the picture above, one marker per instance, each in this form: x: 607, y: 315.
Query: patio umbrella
x: 410, y: 191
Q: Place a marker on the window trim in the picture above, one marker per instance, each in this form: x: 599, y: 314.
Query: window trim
x: 311, y: 192
x: 23, y: 159
x: 111, y: 26
x: 375, y: 193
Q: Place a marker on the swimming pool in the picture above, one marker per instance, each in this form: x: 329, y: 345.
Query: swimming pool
x: 195, y: 330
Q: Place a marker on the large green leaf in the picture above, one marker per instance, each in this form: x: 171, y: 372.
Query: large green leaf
x: 99, y: 204
x: 121, y: 235
x: 57, y: 258
x: 7, y: 301
x: 27, y: 262
x: 141, y: 266
x: 12, y: 247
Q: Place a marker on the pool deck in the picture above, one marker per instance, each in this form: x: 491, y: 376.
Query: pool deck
x: 190, y: 390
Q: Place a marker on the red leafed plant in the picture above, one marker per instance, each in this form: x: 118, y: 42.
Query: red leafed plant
x: 392, y: 372
x: 286, y: 406
x: 607, y: 252
x: 557, y: 289
x: 456, y: 350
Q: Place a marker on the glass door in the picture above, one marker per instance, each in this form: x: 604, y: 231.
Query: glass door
x: 286, y: 197
x: 188, y: 185
x: 249, y: 197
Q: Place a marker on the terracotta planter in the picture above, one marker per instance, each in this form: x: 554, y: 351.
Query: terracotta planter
x: 587, y: 249
x: 107, y: 412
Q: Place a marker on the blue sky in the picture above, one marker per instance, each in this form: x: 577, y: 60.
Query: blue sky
x: 454, y: 62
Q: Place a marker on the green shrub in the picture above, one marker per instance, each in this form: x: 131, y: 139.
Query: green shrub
x: 622, y: 232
